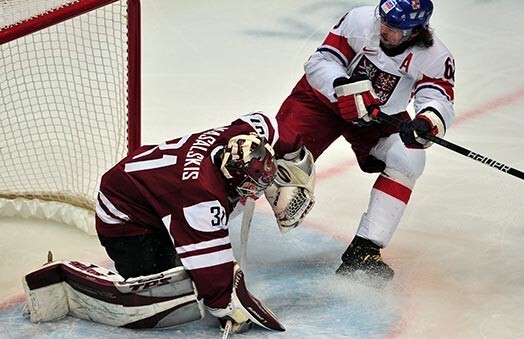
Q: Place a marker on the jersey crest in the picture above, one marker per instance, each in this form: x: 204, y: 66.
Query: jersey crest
x: 383, y: 83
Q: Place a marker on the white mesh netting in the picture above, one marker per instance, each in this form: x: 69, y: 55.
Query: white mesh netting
x: 63, y: 106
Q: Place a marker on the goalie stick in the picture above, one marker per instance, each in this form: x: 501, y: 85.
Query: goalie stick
x: 227, y: 329
x: 249, y: 210
x: 247, y: 216
x: 456, y: 148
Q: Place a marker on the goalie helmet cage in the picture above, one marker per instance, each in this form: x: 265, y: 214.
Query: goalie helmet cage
x: 69, y: 103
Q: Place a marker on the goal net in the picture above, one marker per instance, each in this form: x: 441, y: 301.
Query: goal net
x: 69, y: 103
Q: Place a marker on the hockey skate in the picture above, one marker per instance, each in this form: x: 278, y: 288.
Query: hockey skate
x: 362, y: 262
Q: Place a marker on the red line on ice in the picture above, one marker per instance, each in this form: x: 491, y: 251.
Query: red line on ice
x: 340, y: 168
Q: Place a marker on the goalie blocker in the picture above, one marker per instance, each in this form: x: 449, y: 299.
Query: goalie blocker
x: 165, y: 299
x: 291, y: 195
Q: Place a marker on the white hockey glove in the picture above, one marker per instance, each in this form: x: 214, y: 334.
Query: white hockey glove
x: 244, y: 310
x: 428, y: 121
x: 291, y: 195
x: 357, y: 101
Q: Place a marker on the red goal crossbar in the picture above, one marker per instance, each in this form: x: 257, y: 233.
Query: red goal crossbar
x: 71, y: 100
x: 71, y: 10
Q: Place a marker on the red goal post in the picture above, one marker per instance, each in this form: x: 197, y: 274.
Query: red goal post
x: 69, y: 103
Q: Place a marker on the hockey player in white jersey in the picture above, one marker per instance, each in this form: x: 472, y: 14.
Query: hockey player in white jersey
x: 376, y: 58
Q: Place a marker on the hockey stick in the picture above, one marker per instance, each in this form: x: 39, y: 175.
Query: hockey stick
x: 227, y: 329
x: 456, y: 148
x: 247, y: 216
x: 249, y: 210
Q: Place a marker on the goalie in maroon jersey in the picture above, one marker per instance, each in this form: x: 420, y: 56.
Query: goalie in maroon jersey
x: 169, y: 205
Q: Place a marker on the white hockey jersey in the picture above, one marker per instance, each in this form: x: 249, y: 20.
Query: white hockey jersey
x: 352, y: 48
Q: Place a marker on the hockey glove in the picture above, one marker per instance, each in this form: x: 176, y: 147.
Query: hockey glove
x: 428, y: 121
x: 357, y: 100
x: 244, y: 310
x: 291, y: 195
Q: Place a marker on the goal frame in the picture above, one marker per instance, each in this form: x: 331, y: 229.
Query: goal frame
x: 134, y: 49
x: 65, y: 212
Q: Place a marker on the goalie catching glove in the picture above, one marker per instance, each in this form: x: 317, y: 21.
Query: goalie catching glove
x: 244, y: 310
x: 291, y: 195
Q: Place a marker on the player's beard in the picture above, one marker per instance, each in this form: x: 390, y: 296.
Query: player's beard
x: 386, y: 43
x: 399, y: 49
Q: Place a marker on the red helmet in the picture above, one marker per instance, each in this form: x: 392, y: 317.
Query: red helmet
x: 249, y: 164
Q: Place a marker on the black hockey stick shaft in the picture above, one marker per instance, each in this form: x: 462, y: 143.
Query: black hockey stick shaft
x: 456, y: 148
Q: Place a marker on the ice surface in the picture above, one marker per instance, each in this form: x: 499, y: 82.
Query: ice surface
x: 295, y: 280
x: 457, y: 252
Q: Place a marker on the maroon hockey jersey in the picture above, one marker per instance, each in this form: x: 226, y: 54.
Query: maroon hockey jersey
x: 177, y: 186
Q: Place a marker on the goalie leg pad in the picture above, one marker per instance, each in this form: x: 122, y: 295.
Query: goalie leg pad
x: 46, y: 297
x: 90, y: 292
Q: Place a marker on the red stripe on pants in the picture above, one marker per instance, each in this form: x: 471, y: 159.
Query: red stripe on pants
x: 393, y: 188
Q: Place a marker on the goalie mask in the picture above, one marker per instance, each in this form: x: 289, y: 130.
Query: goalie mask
x: 249, y: 165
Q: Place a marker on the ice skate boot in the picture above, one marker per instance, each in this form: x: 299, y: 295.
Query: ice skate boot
x: 363, y: 256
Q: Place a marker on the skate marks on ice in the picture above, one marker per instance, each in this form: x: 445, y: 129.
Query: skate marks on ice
x: 300, y: 24
x: 294, y: 274
x: 298, y: 282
